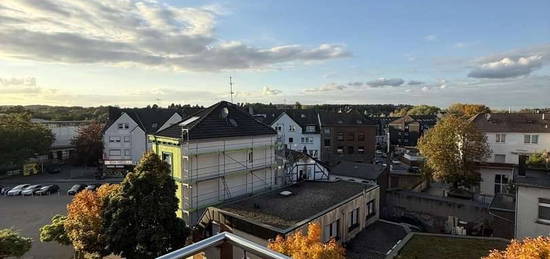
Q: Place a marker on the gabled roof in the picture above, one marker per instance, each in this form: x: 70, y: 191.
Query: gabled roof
x: 222, y: 119
x: 344, y: 119
x: 303, y: 118
x: 513, y: 122
x: 148, y: 119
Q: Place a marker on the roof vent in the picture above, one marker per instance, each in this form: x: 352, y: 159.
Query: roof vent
x: 225, y: 112
x: 285, y: 193
x: 488, y: 116
x: 302, y: 115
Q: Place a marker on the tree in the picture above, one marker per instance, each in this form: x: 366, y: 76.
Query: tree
x: 300, y: 246
x: 538, y: 247
x: 84, y: 220
x: 12, y: 244
x: 451, y: 150
x: 140, y: 220
x: 89, y: 144
x: 21, y: 139
x: 423, y: 110
x: 467, y: 110
x: 539, y: 160
x: 55, y: 231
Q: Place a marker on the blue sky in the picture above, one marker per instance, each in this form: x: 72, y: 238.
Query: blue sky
x: 133, y: 53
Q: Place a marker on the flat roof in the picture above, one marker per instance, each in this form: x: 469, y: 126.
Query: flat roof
x: 358, y: 170
x: 375, y: 240
x: 534, y: 178
x: 308, y: 199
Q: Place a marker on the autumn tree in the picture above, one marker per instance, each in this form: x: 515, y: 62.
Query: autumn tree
x: 538, y: 247
x: 89, y: 144
x: 140, y: 220
x: 21, y: 139
x: 12, y: 244
x: 55, y: 231
x: 467, y: 110
x: 300, y: 246
x: 451, y: 149
x: 84, y: 220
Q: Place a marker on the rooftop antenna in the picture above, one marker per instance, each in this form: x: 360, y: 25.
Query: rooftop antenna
x: 231, y: 88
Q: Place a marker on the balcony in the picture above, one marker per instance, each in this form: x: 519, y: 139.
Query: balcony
x: 213, y: 242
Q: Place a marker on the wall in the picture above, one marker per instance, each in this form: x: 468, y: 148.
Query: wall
x: 330, y: 153
x: 284, y: 122
x: 487, y: 183
x: 137, y: 144
x: 172, y: 147
x: 527, y: 212
x: 514, y: 145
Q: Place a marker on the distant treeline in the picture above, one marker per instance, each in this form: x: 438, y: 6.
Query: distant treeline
x: 60, y: 113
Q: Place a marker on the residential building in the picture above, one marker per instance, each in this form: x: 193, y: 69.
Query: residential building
x: 347, y: 137
x: 299, y: 130
x: 64, y: 131
x: 496, y: 178
x: 217, y: 154
x: 125, y: 135
x: 362, y: 172
x: 514, y: 135
x: 301, y: 166
x: 406, y: 130
x: 382, y: 131
x: 342, y: 209
x: 532, y: 203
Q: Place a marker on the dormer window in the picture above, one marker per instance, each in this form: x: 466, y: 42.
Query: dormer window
x: 154, y: 125
x: 310, y: 128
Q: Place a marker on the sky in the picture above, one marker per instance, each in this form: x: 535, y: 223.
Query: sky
x: 133, y: 53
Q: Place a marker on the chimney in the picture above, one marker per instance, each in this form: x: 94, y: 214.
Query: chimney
x: 543, y: 116
x: 522, y: 166
x: 250, y: 110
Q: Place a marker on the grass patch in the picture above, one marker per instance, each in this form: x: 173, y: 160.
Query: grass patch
x: 448, y: 247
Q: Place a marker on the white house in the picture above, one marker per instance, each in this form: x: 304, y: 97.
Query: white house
x: 532, y: 204
x: 299, y: 130
x: 125, y: 136
x: 64, y: 132
x: 511, y: 135
x: 300, y: 166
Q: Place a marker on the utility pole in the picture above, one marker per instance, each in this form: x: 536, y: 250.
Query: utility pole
x: 231, y: 88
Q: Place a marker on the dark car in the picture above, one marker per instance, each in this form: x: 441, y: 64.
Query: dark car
x: 31, y: 189
x: 93, y: 187
x: 76, y: 189
x: 48, y: 189
x: 17, y: 190
x: 53, y: 170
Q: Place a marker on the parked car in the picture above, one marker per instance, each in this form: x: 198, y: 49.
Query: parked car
x: 3, y: 189
x: 93, y: 187
x: 76, y: 189
x: 48, y: 189
x: 31, y: 189
x: 17, y: 190
x: 53, y: 169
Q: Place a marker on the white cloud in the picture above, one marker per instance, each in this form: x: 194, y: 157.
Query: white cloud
x: 147, y: 33
x: 326, y: 88
x: 267, y: 91
x: 18, y: 81
x: 385, y: 82
x: 507, y: 67
x: 431, y: 37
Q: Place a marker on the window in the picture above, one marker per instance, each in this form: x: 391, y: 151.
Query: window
x: 501, y: 182
x: 500, y: 138
x: 361, y: 136
x: 361, y: 150
x: 167, y: 157
x: 500, y: 158
x: 120, y: 126
x: 350, y: 150
x: 371, y: 209
x: 127, y: 152
x: 310, y: 128
x: 126, y: 138
x: 331, y: 231
x: 350, y: 136
x: 531, y: 139
x: 340, y: 150
x: 327, y: 142
x: 303, y: 140
x: 290, y: 140
x: 154, y: 125
x: 291, y: 128
x: 353, y: 219
x: 544, y: 210
x: 114, y: 152
x: 114, y: 139
x: 123, y: 126
x: 250, y: 156
x: 327, y: 131
x: 340, y: 136
x: 279, y: 128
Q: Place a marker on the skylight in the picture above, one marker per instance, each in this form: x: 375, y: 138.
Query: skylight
x: 192, y: 119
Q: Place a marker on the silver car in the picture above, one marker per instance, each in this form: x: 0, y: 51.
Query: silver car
x: 17, y: 190
x: 31, y: 189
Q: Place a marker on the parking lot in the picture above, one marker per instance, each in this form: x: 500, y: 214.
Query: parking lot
x: 27, y: 214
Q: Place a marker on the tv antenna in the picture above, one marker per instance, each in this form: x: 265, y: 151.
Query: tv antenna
x: 231, y: 88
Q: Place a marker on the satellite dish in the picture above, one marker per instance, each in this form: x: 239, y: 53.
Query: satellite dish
x: 225, y: 112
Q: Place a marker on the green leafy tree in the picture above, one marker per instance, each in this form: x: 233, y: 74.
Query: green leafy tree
x: 140, y: 220
x: 451, y: 150
x: 55, y: 231
x: 539, y: 160
x: 423, y: 110
x: 12, y: 244
x: 89, y: 144
x: 21, y: 139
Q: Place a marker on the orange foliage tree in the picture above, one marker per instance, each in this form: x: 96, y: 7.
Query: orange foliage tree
x: 300, y: 246
x: 527, y: 248
x: 84, y: 220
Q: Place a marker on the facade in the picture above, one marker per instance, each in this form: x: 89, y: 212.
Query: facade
x: 64, y: 132
x: 347, y: 137
x: 406, y: 130
x: 511, y: 135
x: 341, y: 208
x: 215, y: 155
x: 496, y: 178
x: 301, y: 166
x: 125, y: 136
x: 299, y: 130
x: 532, y: 204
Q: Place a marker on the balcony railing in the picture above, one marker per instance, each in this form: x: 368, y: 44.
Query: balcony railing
x: 224, y: 237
